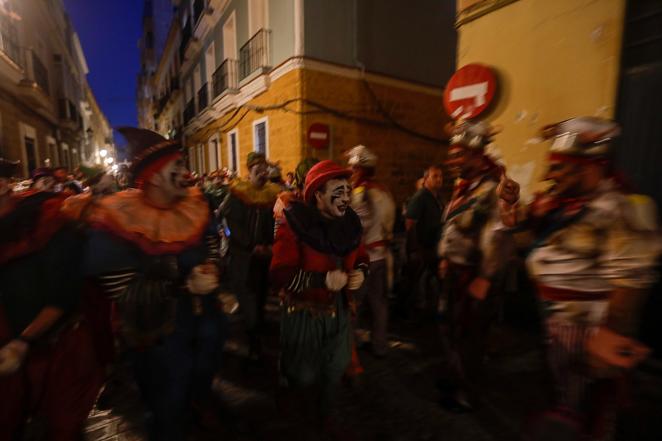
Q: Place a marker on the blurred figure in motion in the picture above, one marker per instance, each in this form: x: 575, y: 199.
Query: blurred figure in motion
x: 474, y: 250
x: 48, y: 369
x: 248, y: 211
x: 376, y: 209
x: 154, y: 251
x: 592, y: 255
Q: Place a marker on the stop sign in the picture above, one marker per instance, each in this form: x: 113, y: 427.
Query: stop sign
x: 469, y: 91
x: 319, y: 135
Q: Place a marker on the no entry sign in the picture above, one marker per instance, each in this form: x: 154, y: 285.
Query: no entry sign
x: 469, y: 91
x: 319, y: 135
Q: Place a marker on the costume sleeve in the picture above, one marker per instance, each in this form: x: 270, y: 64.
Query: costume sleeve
x: 285, y: 262
x: 496, y: 243
x: 630, y: 252
x: 212, y: 241
x: 63, y: 279
x: 362, y: 259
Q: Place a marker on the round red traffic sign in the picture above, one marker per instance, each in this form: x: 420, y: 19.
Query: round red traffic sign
x: 319, y: 135
x: 469, y: 91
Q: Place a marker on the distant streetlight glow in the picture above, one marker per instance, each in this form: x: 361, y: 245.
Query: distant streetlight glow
x: 103, y: 153
x: 109, y: 160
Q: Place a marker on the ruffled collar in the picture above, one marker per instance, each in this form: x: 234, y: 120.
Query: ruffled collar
x: 154, y: 230
x: 330, y: 236
x: 30, y: 224
x: 249, y: 195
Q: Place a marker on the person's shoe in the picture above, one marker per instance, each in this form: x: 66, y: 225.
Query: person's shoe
x: 454, y: 405
x: 109, y: 396
x: 455, y: 401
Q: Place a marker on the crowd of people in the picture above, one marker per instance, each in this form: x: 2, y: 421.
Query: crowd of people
x: 93, y: 264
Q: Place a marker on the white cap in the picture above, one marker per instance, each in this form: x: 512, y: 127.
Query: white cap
x: 362, y: 156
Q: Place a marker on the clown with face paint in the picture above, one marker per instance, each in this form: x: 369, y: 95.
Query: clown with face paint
x: 154, y: 250
x: 47, y: 366
x: 319, y: 261
x: 248, y: 211
x: 593, y: 253
x: 473, y: 250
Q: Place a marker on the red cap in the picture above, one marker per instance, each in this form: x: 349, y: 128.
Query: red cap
x: 319, y: 174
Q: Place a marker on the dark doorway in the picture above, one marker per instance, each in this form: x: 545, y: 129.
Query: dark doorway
x: 639, y: 150
x: 30, y: 153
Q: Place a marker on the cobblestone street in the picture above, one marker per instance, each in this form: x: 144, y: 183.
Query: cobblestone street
x: 396, y: 399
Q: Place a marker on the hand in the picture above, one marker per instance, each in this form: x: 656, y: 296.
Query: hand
x: 508, y: 190
x: 479, y: 288
x: 203, y: 279
x: 336, y: 280
x: 355, y: 280
x: 12, y: 356
x: 605, y: 347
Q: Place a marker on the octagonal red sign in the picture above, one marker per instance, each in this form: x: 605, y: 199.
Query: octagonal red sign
x: 469, y: 91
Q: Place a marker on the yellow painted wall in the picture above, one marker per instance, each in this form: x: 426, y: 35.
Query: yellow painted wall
x: 555, y: 59
x: 285, y: 138
x: 402, y: 157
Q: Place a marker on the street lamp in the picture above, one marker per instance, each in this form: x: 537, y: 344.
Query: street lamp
x: 103, y: 153
x: 109, y: 160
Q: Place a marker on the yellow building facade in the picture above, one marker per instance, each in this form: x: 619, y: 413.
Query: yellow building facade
x: 553, y: 59
x: 359, y: 108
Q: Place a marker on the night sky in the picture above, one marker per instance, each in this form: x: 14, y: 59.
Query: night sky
x: 109, y: 33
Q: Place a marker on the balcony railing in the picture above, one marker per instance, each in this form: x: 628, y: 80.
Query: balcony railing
x: 9, y: 40
x: 40, y: 74
x: 198, y: 9
x: 203, y: 98
x: 189, y: 111
x: 186, y: 36
x: 67, y: 111
x: 225, y: 77
x: 174, y: 84
x: 255, y: 54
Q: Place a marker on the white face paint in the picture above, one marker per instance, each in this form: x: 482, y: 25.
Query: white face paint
x: 334, y: 198
x: 4, y: 186
x: 171, y: 179
x: 258, y: 174
x: 47, y: 183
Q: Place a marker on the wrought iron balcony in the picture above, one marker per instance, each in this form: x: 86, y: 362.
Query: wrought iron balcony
x: 189, y: 111
x: 255, y: 54
x: 203, y: 98
x: 198, y: 9
x: 40, y: 74
x: 9, y: 41
x: 187, y: 32
x: 225, y: 77
x: 69, y: 117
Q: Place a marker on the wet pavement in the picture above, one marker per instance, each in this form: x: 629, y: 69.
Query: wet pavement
x: 395, y: 400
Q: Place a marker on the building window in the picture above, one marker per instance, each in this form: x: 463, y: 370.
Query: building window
x: 30, y: 153
x: 212, y: 154
x: 233, y: 150
x: 261, y: 136
x: 191, y: 159
x: 201, y: 160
